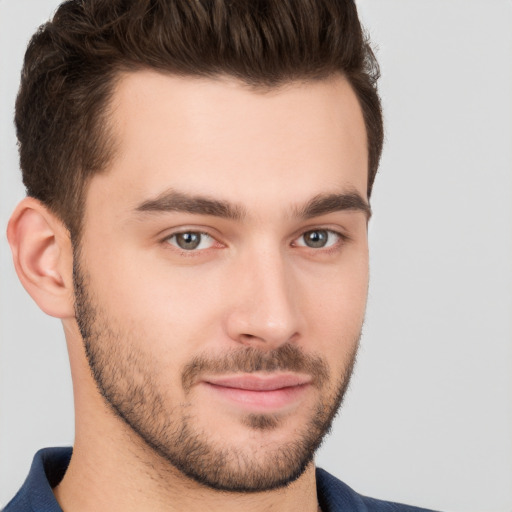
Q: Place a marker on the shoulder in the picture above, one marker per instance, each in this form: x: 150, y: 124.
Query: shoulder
x: 334, y: 496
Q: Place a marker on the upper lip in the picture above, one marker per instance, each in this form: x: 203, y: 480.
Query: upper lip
x: 259, y: 382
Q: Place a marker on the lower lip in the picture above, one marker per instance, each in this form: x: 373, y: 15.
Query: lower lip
x: 261, y: 400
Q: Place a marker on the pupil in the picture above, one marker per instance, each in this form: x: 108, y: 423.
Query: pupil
x: 316, y: 238
x: 188, y: 241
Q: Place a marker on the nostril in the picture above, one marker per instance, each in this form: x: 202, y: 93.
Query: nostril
x: 248, y: 336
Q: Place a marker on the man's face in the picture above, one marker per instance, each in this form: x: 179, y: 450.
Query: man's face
x: 222, y: 273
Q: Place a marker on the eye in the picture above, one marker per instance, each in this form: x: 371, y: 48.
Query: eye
x: 318, y: 239
x: 191, y: 240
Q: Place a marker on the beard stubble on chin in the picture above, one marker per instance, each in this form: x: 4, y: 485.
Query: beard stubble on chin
x: 126, y: 378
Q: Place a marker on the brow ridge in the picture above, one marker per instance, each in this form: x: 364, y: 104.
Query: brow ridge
x: 173, y: 201
x: 323, y: 204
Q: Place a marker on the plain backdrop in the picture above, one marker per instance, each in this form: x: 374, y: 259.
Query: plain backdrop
x: 428, y: 418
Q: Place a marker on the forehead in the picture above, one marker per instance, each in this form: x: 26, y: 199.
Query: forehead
x: 217, y: 137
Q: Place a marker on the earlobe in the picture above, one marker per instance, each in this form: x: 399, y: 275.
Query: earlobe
x: 42, y: 257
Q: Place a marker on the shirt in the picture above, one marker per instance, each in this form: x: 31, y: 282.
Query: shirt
x: 50, y: 464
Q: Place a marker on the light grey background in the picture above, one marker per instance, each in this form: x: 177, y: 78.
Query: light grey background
x: 428, y: 419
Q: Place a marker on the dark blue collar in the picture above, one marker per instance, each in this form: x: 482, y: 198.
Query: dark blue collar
x: 47, y: 470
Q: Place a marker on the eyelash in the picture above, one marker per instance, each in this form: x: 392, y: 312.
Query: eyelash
x: 190, y: 252
x: 342, y: 239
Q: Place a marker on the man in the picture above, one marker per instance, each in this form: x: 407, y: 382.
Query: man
x: 198, y: 178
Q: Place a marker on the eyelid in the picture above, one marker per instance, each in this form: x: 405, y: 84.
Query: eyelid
x: 167, y: 233
x: 342, y: 237
x: 190, y: 252
x: 338, y: 232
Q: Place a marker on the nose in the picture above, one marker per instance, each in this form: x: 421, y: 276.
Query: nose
x: 264, y: 311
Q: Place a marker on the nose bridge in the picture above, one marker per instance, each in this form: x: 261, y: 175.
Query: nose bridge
x: 266, y: 310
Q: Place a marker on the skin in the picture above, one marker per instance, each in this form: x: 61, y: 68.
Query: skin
x: 253, y: 284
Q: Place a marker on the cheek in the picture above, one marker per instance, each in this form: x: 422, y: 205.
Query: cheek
x: 165, y: 309
x: 335, y: 306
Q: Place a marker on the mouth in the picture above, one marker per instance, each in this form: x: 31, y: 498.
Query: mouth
x: 260, y: 392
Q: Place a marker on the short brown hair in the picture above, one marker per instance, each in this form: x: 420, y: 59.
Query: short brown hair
x: 72, y: 63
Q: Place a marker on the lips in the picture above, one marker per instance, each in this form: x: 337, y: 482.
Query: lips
x: 259, y: 382
x: 259, y: 392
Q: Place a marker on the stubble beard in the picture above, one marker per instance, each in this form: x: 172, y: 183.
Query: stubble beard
x: 126, y: 379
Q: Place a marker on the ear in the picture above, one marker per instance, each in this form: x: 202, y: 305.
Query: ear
x: 43, y: 257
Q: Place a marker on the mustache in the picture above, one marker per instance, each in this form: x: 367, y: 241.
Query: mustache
x: 287, y: 357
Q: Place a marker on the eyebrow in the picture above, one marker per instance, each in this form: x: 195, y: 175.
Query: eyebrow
x: 173, y: 201
x: 321, y: 204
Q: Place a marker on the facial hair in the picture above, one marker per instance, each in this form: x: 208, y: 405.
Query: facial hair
x: 125, y: 376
